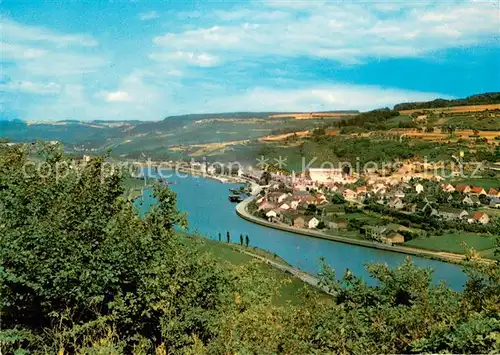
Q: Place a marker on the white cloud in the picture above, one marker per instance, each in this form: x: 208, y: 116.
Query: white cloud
x: 57, y: 64
x: 197, y: 59
x: 14, y: 31
x: 141, y: 96
x: 69, y: 69
x: 31, y: 87
x: 348, y: 32
x: 12, y: 51
x: 150, y: 15
x: 37, y: 51
x: 315, y: 98
x: 255, y: 15
x: 117, y: 96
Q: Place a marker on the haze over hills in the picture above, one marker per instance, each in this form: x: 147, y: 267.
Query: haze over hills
x: 172, y: 130
x: 214, y: 133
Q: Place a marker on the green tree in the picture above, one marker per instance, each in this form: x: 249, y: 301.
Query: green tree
x: 81, y: 272
x: 247, y: 240
x: 337, y: 199
x: 311, y: 209
x: 228, y: 237
x: 241, y: 239
x: 76, y: 261
x: 265, y: 178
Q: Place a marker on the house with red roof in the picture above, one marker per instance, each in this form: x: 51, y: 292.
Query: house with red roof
x: 448, y: 188
x: 493, y: 193
x: 349, y: 194
x: 462, y: 188
x: 477, y: 190
x: 479, y: 217
x: 361, y: 190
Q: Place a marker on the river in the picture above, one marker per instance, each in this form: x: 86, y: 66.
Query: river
x: 210, y: 213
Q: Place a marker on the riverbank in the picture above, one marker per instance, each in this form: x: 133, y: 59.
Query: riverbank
x: 290, y: 280
x: 134, y: 187
x: 225, y: 179
x: 241, y: 211
x: 210, y: 213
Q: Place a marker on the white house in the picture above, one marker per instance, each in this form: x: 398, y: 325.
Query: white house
x: 271, y: 215
x: 471, y: 201
x: 283, y: 197
x: 379, y: 188
x: 399, y: 194
x: 419, y: 188
x: 284, y: 207
x: 312, y: 222
x: 396, y: 203
x: 211, y: 170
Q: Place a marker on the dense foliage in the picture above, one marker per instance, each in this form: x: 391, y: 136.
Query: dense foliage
x: 370, y: 120
x: 77, y: 261
x: 80, y: 272
x: 480, y: 99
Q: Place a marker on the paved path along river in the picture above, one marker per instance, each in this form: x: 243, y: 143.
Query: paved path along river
x: 210, y: 213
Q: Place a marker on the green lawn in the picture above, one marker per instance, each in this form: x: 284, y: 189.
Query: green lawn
x: 395, y: 121
x: 489, y: 254
x: 345, y: 233
x: 338, y: 209
x: 372, y: 220
x: 289, y: 286
x: 452, y: 242
x: 485, y: 183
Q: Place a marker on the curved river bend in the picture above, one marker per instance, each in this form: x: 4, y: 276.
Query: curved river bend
x: 210, y: 213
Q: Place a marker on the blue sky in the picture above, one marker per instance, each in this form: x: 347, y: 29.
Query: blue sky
x: 122, y: 60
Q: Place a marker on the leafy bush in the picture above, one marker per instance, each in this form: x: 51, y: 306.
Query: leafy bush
x: 80, y: 272
x: 76, y: 258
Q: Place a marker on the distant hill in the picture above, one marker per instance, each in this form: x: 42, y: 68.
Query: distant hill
x: 133, y: 137
x: 247, y: 115
x: 224, y: 131
x: 480, y: 99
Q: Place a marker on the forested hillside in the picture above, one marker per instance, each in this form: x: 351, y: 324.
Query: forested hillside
x: 480, y: 99
x: 81, y: 272
x: 240, y: 135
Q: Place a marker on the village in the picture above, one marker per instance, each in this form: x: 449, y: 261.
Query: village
x: 409, y: 206
x: 382, y: 209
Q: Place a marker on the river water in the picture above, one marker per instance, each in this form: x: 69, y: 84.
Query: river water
x: 210, y: 212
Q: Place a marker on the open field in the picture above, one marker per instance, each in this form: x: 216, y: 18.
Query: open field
x: 206, y: 149
x: 485, y: 183
x: 453, y: 242
x: 455, y: 109
x: 313, y: 115
x: 280, y: 137
x: 439, y: 136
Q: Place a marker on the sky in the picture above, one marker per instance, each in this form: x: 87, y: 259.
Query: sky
x: 145, y: 60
